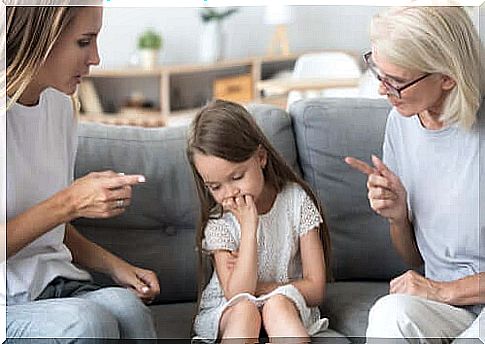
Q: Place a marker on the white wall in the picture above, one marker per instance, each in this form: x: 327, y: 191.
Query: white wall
x: 313, y: 28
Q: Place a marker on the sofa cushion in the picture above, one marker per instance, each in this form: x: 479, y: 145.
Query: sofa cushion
x: 173, y: 321
x: 276, y: 125
x: 167, y: 198
x: 326, y: 131
x: 347, y: 306
x: 170, y: 254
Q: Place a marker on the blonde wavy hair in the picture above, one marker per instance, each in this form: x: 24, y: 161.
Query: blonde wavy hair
x: 436, y: 39
x: 31, y: 33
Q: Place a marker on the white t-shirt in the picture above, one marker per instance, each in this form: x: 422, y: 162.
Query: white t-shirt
x: 41, y: 149
x: 440, y: 172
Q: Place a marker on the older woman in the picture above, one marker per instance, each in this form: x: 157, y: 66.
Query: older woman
x: 428, y: 62
x: 49, y: 50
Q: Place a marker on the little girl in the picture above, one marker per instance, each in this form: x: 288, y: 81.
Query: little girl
x: 263, y: 227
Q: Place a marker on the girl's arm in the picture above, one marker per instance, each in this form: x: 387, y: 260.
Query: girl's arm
x: 92, y: 256
x: 243, y: 276
x: 312, y: 285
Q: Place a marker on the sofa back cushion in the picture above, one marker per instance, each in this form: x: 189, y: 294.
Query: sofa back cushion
x: 158, y: 230
x: 326, y: 131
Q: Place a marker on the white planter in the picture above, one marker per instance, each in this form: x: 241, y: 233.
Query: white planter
x: 149, y: 58
x: 211, y: 42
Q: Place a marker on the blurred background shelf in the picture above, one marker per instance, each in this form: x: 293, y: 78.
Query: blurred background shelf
x: 180, y: 90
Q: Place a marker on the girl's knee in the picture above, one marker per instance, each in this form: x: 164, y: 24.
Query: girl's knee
x: 278, y: 305
x: 245, y: 307
x: 241, y: 320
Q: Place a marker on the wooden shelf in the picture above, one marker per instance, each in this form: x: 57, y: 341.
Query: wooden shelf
x: 184, y: 88
x: 283, y: 86
x: 140, y: 120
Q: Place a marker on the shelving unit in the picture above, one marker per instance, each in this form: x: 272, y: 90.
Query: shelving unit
x: 180, y: 89
x: 175, y: 88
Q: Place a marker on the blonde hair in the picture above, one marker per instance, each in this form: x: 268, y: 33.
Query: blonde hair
x: 31, y: 32
x: 434, y: 39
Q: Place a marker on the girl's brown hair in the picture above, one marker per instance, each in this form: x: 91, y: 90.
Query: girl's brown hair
x: 226, y: 130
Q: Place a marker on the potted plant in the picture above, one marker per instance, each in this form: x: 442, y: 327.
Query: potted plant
x: 149, y: 44
x: 212, y: 40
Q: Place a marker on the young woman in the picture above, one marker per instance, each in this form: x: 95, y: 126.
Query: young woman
x: 49, y: 50
x: 429, y: 61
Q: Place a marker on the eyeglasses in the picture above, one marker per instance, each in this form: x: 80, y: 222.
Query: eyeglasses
x: 393, y: 90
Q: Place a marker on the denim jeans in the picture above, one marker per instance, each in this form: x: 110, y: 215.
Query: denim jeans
x: 78, y: 310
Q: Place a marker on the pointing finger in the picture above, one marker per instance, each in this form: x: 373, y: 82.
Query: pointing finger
x: 359, y: 165
x: 122, y: 180
x: 381, y: 167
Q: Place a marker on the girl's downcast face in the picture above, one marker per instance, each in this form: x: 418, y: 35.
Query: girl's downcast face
x: 226, y: 179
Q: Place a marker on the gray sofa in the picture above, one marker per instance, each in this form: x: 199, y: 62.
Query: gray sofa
x: 158, y: 230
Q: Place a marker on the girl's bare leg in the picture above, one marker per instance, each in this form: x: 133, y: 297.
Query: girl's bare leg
x: 241, y: 323
x: 282, y: 321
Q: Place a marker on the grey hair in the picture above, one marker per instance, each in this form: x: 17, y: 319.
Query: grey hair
x: 436, y: 39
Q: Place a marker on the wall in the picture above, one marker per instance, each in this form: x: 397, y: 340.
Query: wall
x: 313, y: 28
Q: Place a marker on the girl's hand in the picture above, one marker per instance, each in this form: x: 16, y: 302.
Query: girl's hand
x: 387, y: 196
x: 143, y: 282
x: 244, y: 208
x: 102, y: 194
x: 263, y: 288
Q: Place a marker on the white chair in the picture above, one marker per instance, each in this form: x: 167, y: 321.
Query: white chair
x: 328, y: 65
x: 369, y: 86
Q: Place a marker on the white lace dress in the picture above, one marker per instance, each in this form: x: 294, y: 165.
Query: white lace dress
x: 293, y: 214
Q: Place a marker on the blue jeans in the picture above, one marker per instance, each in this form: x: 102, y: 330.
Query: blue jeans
x: 73, y: 309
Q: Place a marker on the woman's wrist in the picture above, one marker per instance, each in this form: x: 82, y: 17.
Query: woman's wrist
x: 61, y: 206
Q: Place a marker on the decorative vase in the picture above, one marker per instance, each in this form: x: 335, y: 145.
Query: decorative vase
x: 212, y: 42
x: 149, y: 58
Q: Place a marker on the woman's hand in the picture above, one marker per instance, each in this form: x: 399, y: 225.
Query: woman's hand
x: 143, y: 282
x: 244, y: 208
x: 387, y: 196
x: 102, y: 194
x: 412, y: 283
